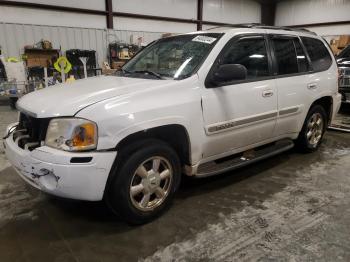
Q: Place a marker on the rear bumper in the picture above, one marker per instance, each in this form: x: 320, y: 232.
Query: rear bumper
x: 51, y: 170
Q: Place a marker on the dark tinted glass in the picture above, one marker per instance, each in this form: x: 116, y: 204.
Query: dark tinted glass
x: 318, y: 53
x: 301, y: 57
x: 286, y: 58
x: 251, y: 53
x: 345, y: 53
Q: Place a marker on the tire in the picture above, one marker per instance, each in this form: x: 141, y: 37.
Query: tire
x: 314, y: 127
x: 139, y: 195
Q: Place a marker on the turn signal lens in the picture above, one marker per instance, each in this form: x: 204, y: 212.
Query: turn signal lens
x: 84, y: 136
x: 72, y: 134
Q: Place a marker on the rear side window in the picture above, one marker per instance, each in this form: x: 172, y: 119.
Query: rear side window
x: 303, y: 64
x: 318, y: 53
x: 251, y: 53
x: 286, y: 58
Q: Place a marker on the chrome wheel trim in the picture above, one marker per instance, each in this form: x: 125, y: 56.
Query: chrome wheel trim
x: 151, y: 183
x: 315, y: 129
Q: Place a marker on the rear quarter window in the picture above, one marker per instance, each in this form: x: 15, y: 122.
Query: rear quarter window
x: 320, y: 58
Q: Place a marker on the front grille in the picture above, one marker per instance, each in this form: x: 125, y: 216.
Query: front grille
x: 30, y: 131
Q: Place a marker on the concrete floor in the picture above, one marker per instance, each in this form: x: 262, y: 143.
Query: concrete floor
x: 292, y: 207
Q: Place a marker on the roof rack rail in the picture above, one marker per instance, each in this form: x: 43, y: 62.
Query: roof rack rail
x: 262, y: 26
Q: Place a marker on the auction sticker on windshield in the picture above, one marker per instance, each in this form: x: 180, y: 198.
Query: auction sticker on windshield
x: 204, y: 39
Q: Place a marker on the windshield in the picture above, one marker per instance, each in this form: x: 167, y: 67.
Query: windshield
x: 175, y: 57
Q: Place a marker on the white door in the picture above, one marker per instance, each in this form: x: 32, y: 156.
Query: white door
x: 244, y: 112
x: 297, y: 82
x: 291, y: 71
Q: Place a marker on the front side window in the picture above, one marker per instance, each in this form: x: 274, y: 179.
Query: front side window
x: 252, y: 54
x: 318, y: 53
x: 175, y: 57
x: 286, y: 58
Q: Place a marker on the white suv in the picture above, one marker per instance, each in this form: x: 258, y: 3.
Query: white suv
x: 200, y: 104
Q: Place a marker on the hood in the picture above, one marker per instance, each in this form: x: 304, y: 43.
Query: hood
x: 68, y: 99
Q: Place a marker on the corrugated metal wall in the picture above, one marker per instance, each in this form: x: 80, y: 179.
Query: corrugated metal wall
x: 13, y: 38
x: 296, y: 12
x: 232, y: 11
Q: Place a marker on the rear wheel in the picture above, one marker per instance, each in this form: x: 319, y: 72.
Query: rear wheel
x: 144, y: 183
x: 313, y: 129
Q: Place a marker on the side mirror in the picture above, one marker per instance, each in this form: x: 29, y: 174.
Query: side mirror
x: 229, y: 72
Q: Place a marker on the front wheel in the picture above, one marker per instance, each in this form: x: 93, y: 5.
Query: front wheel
x: 310, y: 137
x: 144, y: 184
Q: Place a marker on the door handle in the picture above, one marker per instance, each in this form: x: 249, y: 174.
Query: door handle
x: 312, y: 86
x: 267, y: 93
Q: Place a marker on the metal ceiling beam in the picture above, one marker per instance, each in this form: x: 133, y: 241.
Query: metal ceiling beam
x: 199, y: 15
x: 108, y: 13
x: 268, y: 13
x: 52, y: 7
x: 322, y: 24
x: 154, y: 17
x: 109, y: 17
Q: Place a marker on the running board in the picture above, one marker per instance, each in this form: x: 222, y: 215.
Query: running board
x: 243, y: 159
x: 341, y: 128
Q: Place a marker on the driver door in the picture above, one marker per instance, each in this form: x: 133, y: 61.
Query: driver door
x: 242, y: 112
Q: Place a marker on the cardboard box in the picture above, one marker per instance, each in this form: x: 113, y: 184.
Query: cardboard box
x: 334, y: 42
x: 344, y: 40
x: 335, y: 49
x: 109, y: 71
x: 40, y: 57
x: 117, y: 65
x: 37, y: 61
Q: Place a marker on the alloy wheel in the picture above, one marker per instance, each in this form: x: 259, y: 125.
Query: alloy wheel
x: 315, y: 129
x: 151, y: 183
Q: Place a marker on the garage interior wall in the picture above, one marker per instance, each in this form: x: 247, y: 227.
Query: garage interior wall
x: 26, y: 26
x: 231, y: 12
x: 300, y: 12
x: 65, y: 38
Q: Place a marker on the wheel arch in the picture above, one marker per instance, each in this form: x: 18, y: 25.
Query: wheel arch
x: 327, y: 103
x: 175, y: 135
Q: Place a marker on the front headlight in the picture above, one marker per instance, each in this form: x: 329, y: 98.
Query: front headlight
x: 71, y: 134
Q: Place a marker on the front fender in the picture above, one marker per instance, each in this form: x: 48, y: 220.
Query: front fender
x: 148, y: 124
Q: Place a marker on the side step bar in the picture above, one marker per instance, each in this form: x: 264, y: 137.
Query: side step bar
x: 341, y: 128
x: 243, y: 159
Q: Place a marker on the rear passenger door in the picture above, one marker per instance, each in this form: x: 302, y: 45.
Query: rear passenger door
x: 291, y: 70
x: 301, y: 72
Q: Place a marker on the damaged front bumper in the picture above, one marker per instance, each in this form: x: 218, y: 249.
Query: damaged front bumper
x: 53, y: 172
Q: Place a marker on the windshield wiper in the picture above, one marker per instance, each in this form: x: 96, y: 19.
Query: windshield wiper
x: 147, y: 72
